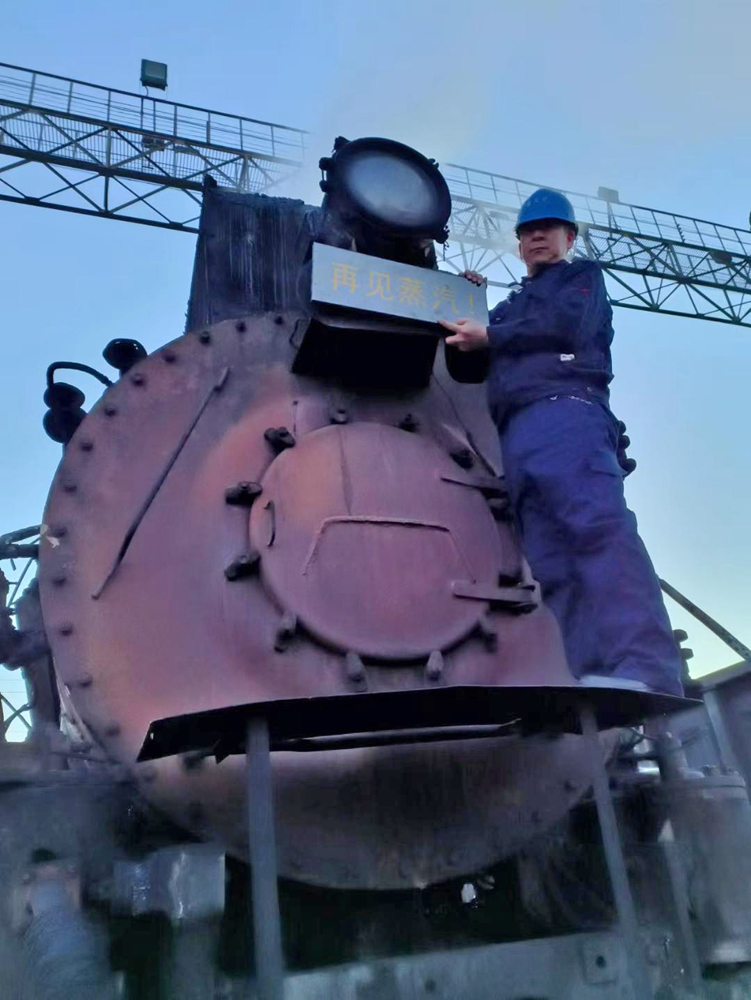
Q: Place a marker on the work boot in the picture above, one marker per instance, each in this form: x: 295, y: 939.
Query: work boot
x: 669, y: 684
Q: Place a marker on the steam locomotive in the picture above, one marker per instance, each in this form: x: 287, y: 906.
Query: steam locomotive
x: 295, y: 509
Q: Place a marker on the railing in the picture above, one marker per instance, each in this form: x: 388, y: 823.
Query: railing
x: 59, y: 95
x: 508, y: 193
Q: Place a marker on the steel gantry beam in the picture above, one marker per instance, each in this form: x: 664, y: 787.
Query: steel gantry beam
x: 83, y: 148
x: 655, y: 260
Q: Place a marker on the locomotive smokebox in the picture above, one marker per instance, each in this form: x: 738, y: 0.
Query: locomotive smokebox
x: 243, y: 518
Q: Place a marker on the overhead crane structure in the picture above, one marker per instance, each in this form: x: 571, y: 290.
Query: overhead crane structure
x: 83, y: 148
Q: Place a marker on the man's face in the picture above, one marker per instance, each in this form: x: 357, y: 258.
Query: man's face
x: 544, y: 242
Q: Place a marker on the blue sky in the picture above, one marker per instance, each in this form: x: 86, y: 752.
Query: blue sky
x: 650, y: 98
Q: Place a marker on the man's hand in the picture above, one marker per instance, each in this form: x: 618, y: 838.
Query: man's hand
x: 468, y: 334
x: 475, y: 277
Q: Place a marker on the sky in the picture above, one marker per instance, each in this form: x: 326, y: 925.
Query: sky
x: 650, y: 98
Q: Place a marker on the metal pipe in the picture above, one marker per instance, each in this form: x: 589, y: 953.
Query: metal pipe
x: 75, y: 366
x: 267, y: 932
x: 611, y: 842
x: 15, y: 551
x: 11, y: 537
x: 396, y: 737
x: 682, y: 904
x: 719, y: 730
x: 720, y: 631
x: 671, y: 758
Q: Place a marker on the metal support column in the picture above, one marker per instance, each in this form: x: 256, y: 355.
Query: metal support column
x: 719, y: 730
x: 267, y: 933
x: 682, y: 907
x: 616, y: 863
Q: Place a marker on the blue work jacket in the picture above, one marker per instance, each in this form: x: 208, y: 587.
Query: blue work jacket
x: 551, y: 336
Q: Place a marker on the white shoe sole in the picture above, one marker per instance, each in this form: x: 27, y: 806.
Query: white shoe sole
x: 616, y: 683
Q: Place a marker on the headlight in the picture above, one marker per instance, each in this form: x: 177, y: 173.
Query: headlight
x: 389, y: 186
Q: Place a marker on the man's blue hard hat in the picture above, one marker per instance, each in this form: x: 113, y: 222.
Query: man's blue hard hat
x: 546, y: 204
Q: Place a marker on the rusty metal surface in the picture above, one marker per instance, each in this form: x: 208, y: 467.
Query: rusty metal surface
x: 239, y: 234
x: 575, y: 967
x: 367, y: 537
x: 170, y: 634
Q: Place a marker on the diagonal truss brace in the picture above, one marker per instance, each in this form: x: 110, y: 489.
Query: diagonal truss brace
x: 78, y: 159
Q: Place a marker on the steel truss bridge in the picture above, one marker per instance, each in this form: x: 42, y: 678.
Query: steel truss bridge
x: 93, y: 150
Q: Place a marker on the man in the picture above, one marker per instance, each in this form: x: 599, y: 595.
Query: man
x: 546, y: 353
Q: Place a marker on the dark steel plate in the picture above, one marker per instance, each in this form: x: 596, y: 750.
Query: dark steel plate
x: 539, y: 710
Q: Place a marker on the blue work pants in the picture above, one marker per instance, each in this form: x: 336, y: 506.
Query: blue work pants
x: 582, y: 544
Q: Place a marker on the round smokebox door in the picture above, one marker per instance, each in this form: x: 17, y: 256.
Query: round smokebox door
x: 362, y: 537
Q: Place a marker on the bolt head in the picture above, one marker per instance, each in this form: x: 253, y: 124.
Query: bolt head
x: 434, y: 668
x: 355, y: 668
x: 243, y: 566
